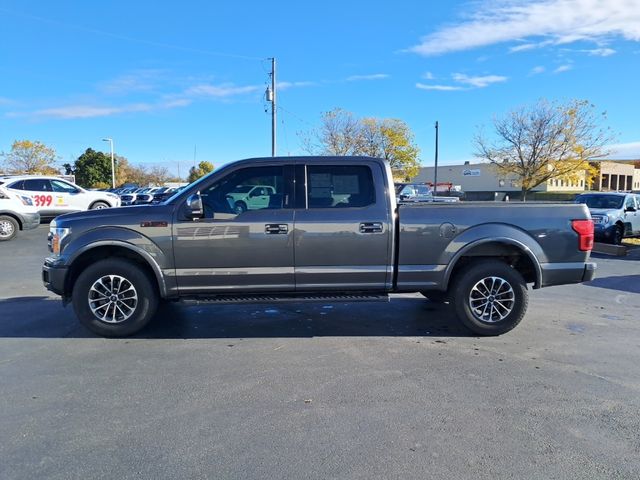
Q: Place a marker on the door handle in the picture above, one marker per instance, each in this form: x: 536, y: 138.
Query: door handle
x: 371, y: 227
x: 276, y: 229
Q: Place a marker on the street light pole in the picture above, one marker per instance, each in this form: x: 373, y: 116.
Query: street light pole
x: 113, y: 163
x: 435, y: 170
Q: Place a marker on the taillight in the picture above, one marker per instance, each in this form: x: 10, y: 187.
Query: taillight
x: 584, y: 229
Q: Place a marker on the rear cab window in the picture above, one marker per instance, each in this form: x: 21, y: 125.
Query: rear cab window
x: 340, y: 186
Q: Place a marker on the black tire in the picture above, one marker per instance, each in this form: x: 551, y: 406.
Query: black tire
x: 506, y: 297
x: 618, y: 235
x: 436, y: 296
x: 99, y: 205
x: 115, y: 325
x: 9, y: 227
x: 240, y: 207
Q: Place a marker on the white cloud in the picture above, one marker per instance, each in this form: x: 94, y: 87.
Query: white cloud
x: 563, y: 68
x: 537, y: 70
x: 428, y: 76
x: 70, y: 112
x: 630, y: 150
x: 555, y: 21
x: 134, y: 82
x: 5, y: 101
x: 442, y: 88
x: 374, y: 76
x: 601, y: 52
x: 225, y: 90
x: 287, y: 85
x: 479, y: 81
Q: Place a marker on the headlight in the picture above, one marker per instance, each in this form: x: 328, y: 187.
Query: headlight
x: 112, y: 195
x: 56, y: 235
x: 26, y: 200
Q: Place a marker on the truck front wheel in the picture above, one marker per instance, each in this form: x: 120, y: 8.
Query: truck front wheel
x: 490, y: 297
x: 114, y: 298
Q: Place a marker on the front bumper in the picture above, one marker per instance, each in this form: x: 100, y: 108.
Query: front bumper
x: 54, y: 276
x: 30, y: 220
x: 566, y: 273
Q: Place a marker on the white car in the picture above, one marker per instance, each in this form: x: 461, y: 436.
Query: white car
x: 17, y: 212
x: 54, y: 196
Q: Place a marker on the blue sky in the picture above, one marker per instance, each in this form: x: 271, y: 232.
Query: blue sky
x: 161, y: 79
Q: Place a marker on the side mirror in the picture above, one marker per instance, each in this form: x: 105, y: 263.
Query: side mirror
x: 194, y: 206
x: 630, y: 209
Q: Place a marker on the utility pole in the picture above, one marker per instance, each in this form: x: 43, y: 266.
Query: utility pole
x: 271, y: 97
x: 435, y: 174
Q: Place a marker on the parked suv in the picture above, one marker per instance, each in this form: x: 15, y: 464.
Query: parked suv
x: 615, y: 215
x: 17, y: 212
x: 54, y: 196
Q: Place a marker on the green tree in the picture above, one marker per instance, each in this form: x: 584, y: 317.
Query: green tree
x: 544, y: 141
x: 92, y: 169
x: 201, y: 170
x: 27, y: 157
x: 341, y: 134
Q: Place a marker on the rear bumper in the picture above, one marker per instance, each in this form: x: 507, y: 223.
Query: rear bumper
x: 566, y: 273
x: 30, y: 220
x: 54, y: 276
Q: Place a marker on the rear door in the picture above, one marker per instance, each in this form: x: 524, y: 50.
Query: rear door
x: 40, y: 191
x: 343, y: 227
x: 231, y: 251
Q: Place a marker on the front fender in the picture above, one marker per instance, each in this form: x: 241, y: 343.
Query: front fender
x: 124, y: 238
x: 493, y: 233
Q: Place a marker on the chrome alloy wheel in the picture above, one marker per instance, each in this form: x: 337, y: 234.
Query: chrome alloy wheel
x: 6, y: 228
x: 492, y: 299
x: 112, y: 299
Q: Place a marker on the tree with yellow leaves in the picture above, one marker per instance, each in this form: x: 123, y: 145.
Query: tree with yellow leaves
x: 27, y: 157
x: 341, y: 134
x: 546, y: 141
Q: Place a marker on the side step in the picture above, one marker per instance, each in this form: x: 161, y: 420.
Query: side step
x: 285, y: 298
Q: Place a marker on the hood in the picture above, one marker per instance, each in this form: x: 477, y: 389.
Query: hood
x: 113, y: 216
x: 603, y: 211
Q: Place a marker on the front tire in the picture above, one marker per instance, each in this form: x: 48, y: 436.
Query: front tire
x: 240, y: 208
x: 490, y: 297
x: 9, y: 227
x: 618, y: 234
x: 114, y: 298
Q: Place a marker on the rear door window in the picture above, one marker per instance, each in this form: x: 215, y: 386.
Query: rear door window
x: 339, y: 186
x: 37, y: 185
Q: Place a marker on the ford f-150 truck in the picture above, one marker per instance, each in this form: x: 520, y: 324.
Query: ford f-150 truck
x: 331, y: 231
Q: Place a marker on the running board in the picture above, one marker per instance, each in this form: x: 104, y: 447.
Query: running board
x: 289, y: 298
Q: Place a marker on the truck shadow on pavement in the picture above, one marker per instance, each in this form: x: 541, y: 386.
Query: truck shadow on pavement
x: 44, y: 317
x: 623, y: 283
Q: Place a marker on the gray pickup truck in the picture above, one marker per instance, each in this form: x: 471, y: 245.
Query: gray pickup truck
x: 330, y: 231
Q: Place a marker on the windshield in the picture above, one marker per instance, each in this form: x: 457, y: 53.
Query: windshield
x: 399, y: 187
x: 242, y: 189
x: 601, y: 201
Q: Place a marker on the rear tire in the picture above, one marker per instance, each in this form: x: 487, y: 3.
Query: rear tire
x: 490, y: 297
x: 114, y: 298
x: 9, y: 227
x: 99, y: 206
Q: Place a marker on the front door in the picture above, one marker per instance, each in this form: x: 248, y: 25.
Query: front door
x: 233, y: 250
x: 343, y: 228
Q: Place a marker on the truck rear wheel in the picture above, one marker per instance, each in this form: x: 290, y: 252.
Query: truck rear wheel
x: 114, y: 298
x: 490, y: 297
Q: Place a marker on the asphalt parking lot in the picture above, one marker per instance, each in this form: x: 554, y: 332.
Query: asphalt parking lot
x: 371, y: 390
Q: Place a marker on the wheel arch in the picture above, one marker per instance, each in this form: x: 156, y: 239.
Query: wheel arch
x: 509, y: 250
x: 14, y: 216
x: 110, y: 249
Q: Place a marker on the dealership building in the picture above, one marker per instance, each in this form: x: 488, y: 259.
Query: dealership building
x: 481, y: 181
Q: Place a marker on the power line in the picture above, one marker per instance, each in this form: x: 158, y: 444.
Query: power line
x: 130, y: 39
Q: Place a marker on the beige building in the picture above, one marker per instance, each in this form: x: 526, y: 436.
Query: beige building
x: 483, y: 177
x: 615, y: 176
